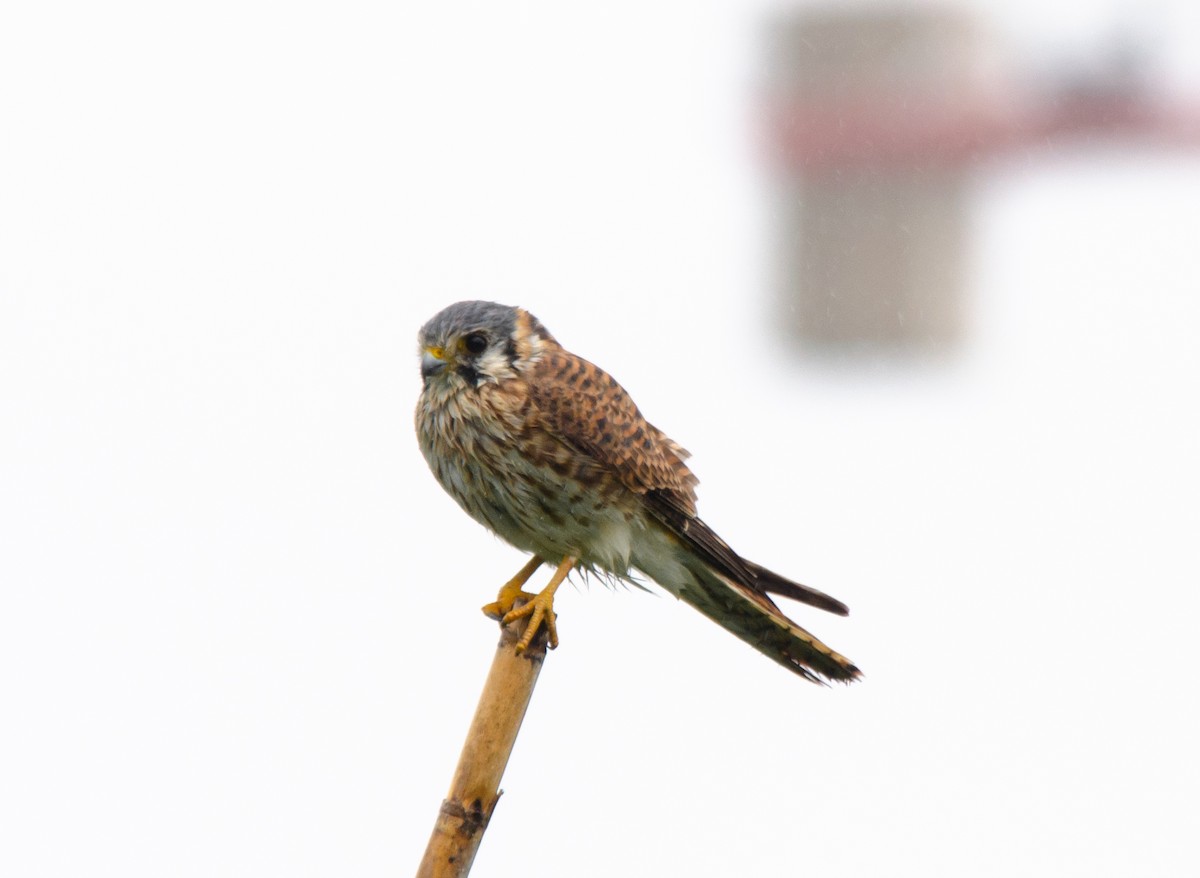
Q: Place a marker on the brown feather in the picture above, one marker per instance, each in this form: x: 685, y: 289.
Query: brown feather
x: 773, y: 583
x: 591, y: 412
x: 551, y: 453
x: 741, y: 611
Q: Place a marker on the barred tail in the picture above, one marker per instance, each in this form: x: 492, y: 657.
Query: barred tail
x: 753, y: 617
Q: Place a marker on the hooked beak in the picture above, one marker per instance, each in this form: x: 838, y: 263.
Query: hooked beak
x: 433, y: 360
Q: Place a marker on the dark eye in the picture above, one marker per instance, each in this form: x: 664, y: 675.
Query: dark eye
x: 476, y: 343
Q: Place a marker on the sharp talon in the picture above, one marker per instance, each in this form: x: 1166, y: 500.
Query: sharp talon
x: 511, y: 591
x: 538, y: 610
x: 519, y: 613
x: 500, y: 608
x: 539, y: 607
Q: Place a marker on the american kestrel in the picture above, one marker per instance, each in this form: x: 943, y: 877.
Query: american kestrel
x: 551, y: 454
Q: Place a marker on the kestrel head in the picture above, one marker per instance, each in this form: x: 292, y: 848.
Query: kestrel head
x: 470, y: 343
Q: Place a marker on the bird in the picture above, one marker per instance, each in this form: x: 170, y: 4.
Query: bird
x: 551, y: 454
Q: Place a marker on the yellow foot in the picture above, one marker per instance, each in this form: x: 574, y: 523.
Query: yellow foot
x: 503, y: 604
x: 511, y: 591
x: 539, y: 607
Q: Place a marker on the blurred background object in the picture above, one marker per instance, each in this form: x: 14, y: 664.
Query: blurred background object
x: 879, y: 118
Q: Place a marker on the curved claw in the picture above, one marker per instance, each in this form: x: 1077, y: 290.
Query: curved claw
x: 503, y: 604
x: 511, y: 591
x: 540, y: 609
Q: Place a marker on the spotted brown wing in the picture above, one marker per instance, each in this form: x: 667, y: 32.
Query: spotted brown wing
x: 586, y: 408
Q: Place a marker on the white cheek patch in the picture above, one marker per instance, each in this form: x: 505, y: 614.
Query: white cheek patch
x: 536, y: 346
x: 493, y: 364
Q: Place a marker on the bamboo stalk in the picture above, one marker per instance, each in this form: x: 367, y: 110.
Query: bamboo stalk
x: 468, y: 807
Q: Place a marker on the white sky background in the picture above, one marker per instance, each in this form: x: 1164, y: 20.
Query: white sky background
x: 239, y: 627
